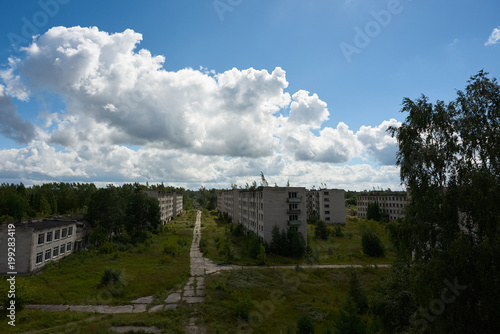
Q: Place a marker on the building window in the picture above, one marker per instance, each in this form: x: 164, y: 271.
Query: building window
x: 326, y: 193
x: 47, y: 254
x: 327, y: 205
x: 327, y: 200
x: 56, y: 235
x: 63, y: 233
x: 63, y: 248
x: 41, y: 238
x: 39, y: 258
x: 56, y: 251
x: 292, y: 195
x: 294, y: 217
x: 327, y: 219
x: 70, y: 231
x: 49, y: 236
x: 327, y: 212
x: 68, y: 247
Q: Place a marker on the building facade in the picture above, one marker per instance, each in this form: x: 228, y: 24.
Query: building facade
x: 39, y: 242
x: 171, y: 204
x: 327, y: 205
x: 391, y: 203
x: 259, y: 210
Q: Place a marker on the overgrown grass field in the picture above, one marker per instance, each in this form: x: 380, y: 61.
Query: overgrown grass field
x: 153, y: 268
x: 271, y: 300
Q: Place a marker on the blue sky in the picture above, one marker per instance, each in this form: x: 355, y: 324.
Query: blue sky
x: 301, y: 90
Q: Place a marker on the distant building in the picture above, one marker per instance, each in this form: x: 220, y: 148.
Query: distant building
x: 171, y: 204
x: 39, y: 242
x: 327, y: 205
x: 391, y: 203
x: 259, y: 210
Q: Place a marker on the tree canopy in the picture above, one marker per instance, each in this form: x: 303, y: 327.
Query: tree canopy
x: 448, y: 244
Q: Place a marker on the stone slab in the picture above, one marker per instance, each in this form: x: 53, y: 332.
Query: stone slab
x: 143, y: 300
x: 193, y: 300
x: 125, y: 329
x: 156, y: 308
x: 170, y: 307
x: 139, y: 308
x: 173, y: 298
x: 43, y: 307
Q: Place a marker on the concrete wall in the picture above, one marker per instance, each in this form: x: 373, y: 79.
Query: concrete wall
x: 27, y: 246
x: 23, y: 249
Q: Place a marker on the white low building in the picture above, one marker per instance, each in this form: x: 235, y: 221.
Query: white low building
x: 38, y: 242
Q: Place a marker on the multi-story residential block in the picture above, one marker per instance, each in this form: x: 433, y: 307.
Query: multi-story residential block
x: 259, y: 210
x: 327, y: 205
x: 37, y: 242
x: 391, y: 203
x: 171, y: 204
x: 178, y: 203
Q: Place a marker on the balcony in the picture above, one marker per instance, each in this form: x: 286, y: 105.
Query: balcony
x: 293, y: 199
x: 293, y: 211
x: 294, y: 222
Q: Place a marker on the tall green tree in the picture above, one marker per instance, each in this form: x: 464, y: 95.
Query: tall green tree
x: 449, y: 240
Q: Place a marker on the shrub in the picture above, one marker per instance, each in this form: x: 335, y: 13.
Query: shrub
x: 337, y: 232
x: 171, y: 250
x: 304, y: 325
x: 321, y: 230
x: 262, y: 257
x: 356, y: 292
x: 239, y: 304
x: 111, y: 277
x: 106, y: 248
x: 372, y: 245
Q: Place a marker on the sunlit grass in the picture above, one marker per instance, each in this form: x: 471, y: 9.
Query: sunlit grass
x: 144, y: 268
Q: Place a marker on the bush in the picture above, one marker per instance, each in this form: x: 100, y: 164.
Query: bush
x: 170, y: 250
x: 111, y: 277
x: 239, y: 304
x: 106, y: 248
x: 304, y: 325
x: 321, y: 230
x: 262, y: 257
x: 356, y: 292
x: 372, y: 245
x: 337, y: 232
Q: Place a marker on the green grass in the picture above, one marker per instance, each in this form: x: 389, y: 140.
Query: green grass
x: 348, y: 249
x: 277, y: 297
x: 345, y: 250
x: 42, y: 322
x: 146, y: 270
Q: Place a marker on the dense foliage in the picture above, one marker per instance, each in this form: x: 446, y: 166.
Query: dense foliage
x: 448, y: 245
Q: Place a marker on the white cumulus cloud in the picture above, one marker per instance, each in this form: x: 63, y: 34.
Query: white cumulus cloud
x: 127, y: 118
x: 494, y: 37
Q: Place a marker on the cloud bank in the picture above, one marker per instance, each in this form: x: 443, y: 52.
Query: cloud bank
x: 127, y: 118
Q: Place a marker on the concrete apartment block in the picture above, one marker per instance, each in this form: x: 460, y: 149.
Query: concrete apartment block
x: 171, y: 204
x: 259, y: 210
x: 39, y: 242
x: 327, y: 205
x: 391, y: 203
